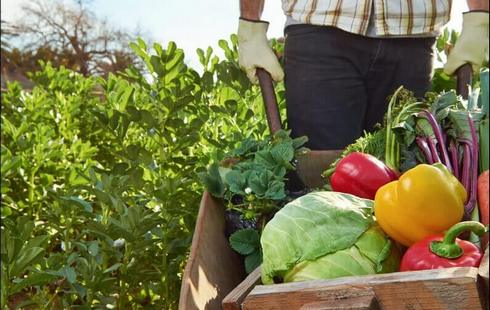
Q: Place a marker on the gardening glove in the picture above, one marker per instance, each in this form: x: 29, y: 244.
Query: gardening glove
x: 472, y: 45
x: 254, y: 50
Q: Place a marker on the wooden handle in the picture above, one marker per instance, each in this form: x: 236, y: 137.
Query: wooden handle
x: 464, y: 75
x: 270, y: 100
x: 294, y: 183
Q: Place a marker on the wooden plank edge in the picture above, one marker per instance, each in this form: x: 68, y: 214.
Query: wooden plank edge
x: 483, y: 278
x: 483, y: 269
x: 234, y: 299
x: 368, y: 280
x: 185, y: 290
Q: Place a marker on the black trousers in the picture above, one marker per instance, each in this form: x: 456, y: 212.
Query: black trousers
x: 337, y: 83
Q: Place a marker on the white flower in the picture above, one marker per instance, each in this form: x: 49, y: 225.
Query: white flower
x: 248, y: 190
x: 119, y: 242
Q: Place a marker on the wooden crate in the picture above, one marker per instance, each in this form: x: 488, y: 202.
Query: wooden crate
x: 452, y: 288
x: 214, y: 277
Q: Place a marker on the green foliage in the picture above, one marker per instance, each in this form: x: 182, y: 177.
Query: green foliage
x: 100, y: 185
x: 247, y: 243
x: 255, y: 171
x: 441, y: 81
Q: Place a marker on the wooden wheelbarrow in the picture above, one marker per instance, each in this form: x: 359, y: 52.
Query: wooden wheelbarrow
x: 214, y: 277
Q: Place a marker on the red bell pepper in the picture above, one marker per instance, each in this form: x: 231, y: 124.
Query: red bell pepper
x: 361, y: 175
x: 445, y: 251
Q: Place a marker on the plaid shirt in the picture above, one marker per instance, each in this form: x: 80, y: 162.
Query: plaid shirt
x: 388, y: 17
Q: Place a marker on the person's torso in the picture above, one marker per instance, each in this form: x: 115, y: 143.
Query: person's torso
x: 372, y: 17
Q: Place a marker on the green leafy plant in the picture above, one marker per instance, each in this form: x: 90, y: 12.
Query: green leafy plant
x: 247, y: 243
x: 252, y: 178
x: 324, y: 235
x: 100, y: 185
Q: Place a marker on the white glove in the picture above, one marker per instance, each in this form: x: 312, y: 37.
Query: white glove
x: 472, y: 45
x: 254, y: 50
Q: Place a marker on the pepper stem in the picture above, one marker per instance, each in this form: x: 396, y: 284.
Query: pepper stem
x: 448, y: 248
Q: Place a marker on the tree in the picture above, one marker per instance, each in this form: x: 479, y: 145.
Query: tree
x: 66, y: 34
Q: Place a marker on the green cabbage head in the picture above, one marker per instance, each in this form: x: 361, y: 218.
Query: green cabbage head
x: 324, y: 235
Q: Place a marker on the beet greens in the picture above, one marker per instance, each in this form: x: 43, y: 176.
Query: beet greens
x: 445, y: 131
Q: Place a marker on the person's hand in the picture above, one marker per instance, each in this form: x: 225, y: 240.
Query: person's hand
x: 472, y: 45
x: 254, y: 50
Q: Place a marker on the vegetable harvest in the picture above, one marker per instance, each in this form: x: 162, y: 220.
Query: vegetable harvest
x: 325, y: 235
x: 361, y: 175
x: 445, y: 251
x: 426, y: 200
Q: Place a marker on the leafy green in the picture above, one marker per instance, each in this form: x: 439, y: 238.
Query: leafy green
x: 247, y: 243
x: 258, y: 174
x: 402, y: 106
x: 322, y: 235
x: 100, y: 185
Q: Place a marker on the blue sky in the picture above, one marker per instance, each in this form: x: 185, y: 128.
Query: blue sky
x: 190, y: 23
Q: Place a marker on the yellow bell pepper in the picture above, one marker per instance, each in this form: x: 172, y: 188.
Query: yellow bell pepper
x: 426, y: 200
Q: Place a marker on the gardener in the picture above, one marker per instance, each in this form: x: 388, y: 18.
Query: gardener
x: 344, y: 58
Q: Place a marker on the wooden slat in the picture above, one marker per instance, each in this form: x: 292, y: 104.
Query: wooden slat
x: 361, y: 301
x: 213, y: 268
x: 452, y: 288
x: 235, y: 298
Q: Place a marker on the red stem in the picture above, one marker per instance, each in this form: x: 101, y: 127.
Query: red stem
x: 466, y: 165
x: 440, y: 140
x: 470, y: 205
x: 424, y: 147
x: 453, y: 149
x: 433, y: 150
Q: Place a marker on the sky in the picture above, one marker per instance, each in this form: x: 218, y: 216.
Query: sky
x: 189, y: 23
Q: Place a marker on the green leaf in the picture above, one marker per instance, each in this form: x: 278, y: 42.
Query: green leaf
x: 275, y: 191
x: 26, y: 257
x: 125, y: 97
x: 69, y: 273
x: 157, y: 65
x: 37, y: 241
x: 13, y: 246
x: 460, y: 123
x: 300, y: 141
x: 245, y: 241
x: 138, y: 50
x: 148, y: 118
x: 93, y: 248
x: 35, y: 279
x: 113, y: 268
x: 171, y: 48
x: 253, y: 261
x: 235, y: 181
x: 200, y: 54
x: 79, y: 202
x: 10, y: 164
x: 255, y: 182
x: 282, y: 153
x: 141, y: 44
x: 265, y: 158
x: 5, y: 210
x: 212, y: 181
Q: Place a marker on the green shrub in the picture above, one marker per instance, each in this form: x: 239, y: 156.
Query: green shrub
x: 100, y: 187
